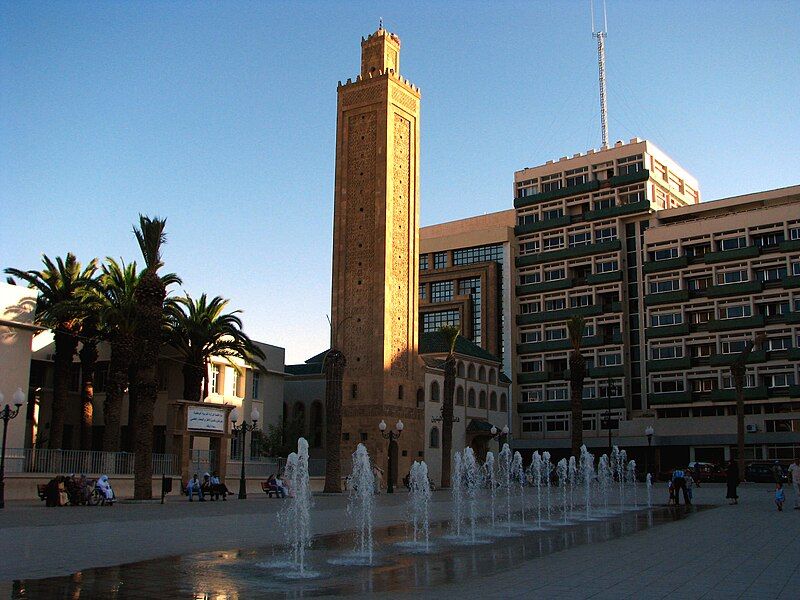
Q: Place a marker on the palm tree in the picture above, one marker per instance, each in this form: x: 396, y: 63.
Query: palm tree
x: 334, y: 365
x: 199, y: 329
x: 577, y: 373
x: 149, y: 299
x: 450, y: 333
x: 88, y: 355
x: 738, y: 370
x: 60, y: 286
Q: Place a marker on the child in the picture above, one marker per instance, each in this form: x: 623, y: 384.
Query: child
x: 671, y: 493
x: 780, y: 496
x: 689, y: 485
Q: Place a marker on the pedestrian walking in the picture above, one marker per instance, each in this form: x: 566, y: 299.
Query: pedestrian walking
x: 794, y: 477
x: 732, y: 478
x: 780, y: 496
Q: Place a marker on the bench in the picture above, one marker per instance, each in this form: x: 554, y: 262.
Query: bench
x: 269, y: 490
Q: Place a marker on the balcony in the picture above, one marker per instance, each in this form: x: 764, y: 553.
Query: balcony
x: 604, y: 372
x: 734, y: 289
x: 794, y: 391
x: 669, y: 398
x: 542, y: 225
x: 565, y: 253
x: 545, y: 286
x: 558, y: 315
x: 731, y: 324
x: 725, y: 360
x: 666, y: 298
x: 594, y: 278
x: 642, y: 175
x: 669, y: 364
x: 564, y: 405
x: 548, y: 346
x: 753, y: 393
x: 534, y: 377
x: 655, y: 266
x: 791, y: 281
x: 667, y: 331
x: 789, y: 246
x: 616, y: 211
x: 737, y: 254
x: 563, y: 192
x: 793, y: 354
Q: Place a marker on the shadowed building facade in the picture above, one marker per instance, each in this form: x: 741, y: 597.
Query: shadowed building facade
x: 375, y: 252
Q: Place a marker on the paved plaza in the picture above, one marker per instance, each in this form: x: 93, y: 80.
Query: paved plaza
x: 744, y: 551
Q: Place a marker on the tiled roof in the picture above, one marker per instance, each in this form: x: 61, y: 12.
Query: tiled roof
x: 435, y: 342
x: 304, y: 369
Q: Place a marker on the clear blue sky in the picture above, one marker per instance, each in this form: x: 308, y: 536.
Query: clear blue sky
x: 221, y: 117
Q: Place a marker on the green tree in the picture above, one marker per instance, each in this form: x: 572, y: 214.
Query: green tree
x: 450, y: 333
x: 61, y: 288
x: 577, y: 373
x: 334, y: 365
x: 199, y: 329
x: 281, y: 439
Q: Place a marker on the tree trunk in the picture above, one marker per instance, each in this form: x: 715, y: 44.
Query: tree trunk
x: 88, y: 355
x: 335, y: 363
x: 738, y: 372
x: 192, y: 382
x: 205, y: 379
x: 121, y: 356
x: 146, y: 396
x: 132, y: 403
x: 66, y: 344
x: 577, y: 372
x: 447, y: 417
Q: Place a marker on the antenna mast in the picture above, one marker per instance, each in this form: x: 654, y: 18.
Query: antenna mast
x: 600, y: 34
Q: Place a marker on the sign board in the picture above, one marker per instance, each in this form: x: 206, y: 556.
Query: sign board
x: 204, y: 418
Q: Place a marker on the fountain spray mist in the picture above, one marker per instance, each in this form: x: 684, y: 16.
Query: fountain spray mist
x: 361, y: 484
x: 419, y: 496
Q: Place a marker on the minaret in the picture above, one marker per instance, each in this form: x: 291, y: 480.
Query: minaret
x: 376, y: 253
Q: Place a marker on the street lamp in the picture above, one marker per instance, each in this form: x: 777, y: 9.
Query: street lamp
x: 7, y: 414
x: 649, y: 431
x: 392, y: 437
x: 503, y: 434
x: 243, y: 429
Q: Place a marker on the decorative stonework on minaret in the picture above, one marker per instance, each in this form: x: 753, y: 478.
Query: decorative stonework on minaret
x: 375, y: 250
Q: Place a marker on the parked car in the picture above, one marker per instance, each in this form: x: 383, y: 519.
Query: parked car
x: 762, y: 472
x: 707, y: 472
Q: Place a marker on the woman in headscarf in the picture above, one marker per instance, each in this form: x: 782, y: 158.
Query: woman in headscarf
x: 732, y: 478
x: 105, y: 488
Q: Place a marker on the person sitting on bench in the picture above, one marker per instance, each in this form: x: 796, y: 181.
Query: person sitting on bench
x: 218, y: 488
x: 193, y: 487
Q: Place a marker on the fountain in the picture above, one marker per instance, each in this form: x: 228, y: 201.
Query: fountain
x: 457, y: 494
x: 649, y: 490
x: 622, y: 462
x: 587, y: 475
x: 547, y: 468
x: 536, y: 467
x: 505, y: 472
x: 418, y: 498
x: 604, y: 477
x: 518, y: 472
x: 296, y: 515
x: 562, y: 471
x: 489, y: 480
x: 361, y: 484
x: 632, y: 482
x: 471, y: 483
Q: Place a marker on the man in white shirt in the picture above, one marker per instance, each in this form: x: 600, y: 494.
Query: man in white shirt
x: 794, y: 477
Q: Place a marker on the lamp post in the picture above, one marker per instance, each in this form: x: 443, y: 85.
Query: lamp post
x: 503, y: 433
x: 7, y: 414
x: 609, y: 387
x: 243, y: 429
x: 392, y: 437
x: 649, y: 431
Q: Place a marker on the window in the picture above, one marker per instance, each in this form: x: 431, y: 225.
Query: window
x: 701, y: 316
x: 733, y: 243
x: 665, y: 254
x: 531, y: 424
x: 422, y: 291
x: 468, y: 256
x: 602, y: 203
x: 779, y: 380
x: 665, y: 319
x: 773, y: 309
x: 631, y: 197
x: 399, y: 392
x: 557, y: 422
x: 768, y: 239
x: 482, y: 400
x: 503, y: 403
x: 531, y: 366
x: 556, y: 393
x: 666, y: 386
x: 423, y: 262
x: 493, y: 401
x: 796, y: 268
x: 440, y: 260
x: 582, y: 238
x: 630, y: 164
x: 460, y: 396
x: 434, y: 438
x: 434, y: 391
x: 728, y: 277
x: 526, y: 308
x: 606, y: 266
x: 482, y: 373
x: 609, y: 360
x: 554, y: 213
x: 577, y: 176
x: 215, y: 379
x: 535, y: 395
x: 664, y: 285
x: 777, y: 344
x: 728, y: 383
x: 666, y: 352
x: 530, y: 337
x: 588, y: 330
x: 441, y: 291
x: 589, y: 423
x: 528, y: 247
x: 471, y: 398
x: 605, y: 234
x: 434, y: 321
x: 794, y: 233
x: 354, y: 391
x: 552, y: 243
x: 472, y: 287
x: 528, y: 219
x: 771, y: 274
x: 701, y: 350
x: 697, y: 250
x: 255, y: 383
x: 703, y: 385
x: 578, y: 301
x: 733, y: 346
x: 555, y: 274
x: 559, y: 333
x: 551, y: 182
x: 735, y: 312
x: 527, y: 278
x: 697, y: 284
x: 555, y: 304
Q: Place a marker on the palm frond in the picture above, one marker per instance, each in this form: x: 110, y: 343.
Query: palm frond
x: 150, y: 236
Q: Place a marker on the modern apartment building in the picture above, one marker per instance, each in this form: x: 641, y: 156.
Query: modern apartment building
x: 716, y: 275
x: 580, y: 243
